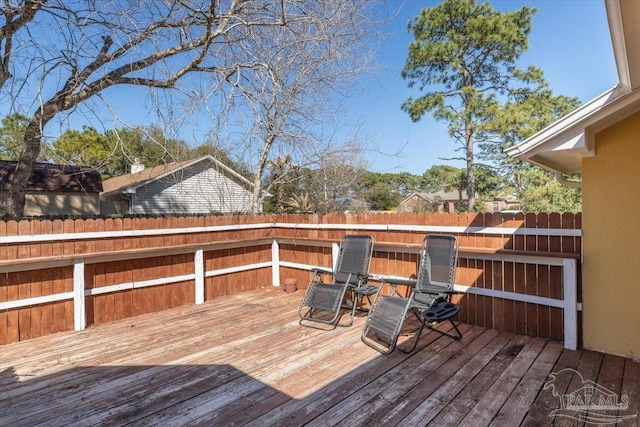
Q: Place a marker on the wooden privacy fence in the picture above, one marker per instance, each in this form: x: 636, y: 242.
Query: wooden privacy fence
x: 516, y: 273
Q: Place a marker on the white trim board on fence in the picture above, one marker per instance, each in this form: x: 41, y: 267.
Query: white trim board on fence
x: 567, y: 232
x: 507, y: 231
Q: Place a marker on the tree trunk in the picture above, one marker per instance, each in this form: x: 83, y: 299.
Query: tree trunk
x: 471, y: 178
x: 28, y: 156
x: 280, y: 203
x: 257, y: 178
x: 257, y: 189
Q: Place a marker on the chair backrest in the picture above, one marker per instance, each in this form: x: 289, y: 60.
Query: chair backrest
x: 354, y: 257
x: 438, y: 262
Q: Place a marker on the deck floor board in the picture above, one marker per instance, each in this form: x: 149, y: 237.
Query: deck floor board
x: 245, y: 360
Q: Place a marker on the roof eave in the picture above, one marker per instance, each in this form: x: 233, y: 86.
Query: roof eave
x: 561, y: 146
x: 566, y: 123
x: 219, y: 164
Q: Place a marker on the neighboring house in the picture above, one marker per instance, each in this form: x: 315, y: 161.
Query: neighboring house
x: 198, y: 186
x: 503, y: 202
x: 441, y: 201
x: 350, y: 205
x: 601, y: 142
x: 56, y: 189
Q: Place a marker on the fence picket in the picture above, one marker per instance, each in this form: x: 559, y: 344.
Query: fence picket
x: 127, y: 250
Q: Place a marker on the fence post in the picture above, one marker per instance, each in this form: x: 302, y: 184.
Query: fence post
x: 335, y: 252
x: 79, y: 310
x: 199, y: 271
x: 570, y: 281
x: 275, y: 263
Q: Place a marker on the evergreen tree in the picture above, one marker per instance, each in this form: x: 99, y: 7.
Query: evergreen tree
x: 464, y: 59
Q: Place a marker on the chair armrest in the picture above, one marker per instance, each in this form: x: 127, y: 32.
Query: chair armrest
x: 435, y: 290
x: 360, y: 277
x: 365, y: 275
x: 395, y: 281
x: 353, y: 273
x: 321, y: 271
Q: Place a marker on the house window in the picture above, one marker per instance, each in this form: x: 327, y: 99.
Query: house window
x: 496, y: 206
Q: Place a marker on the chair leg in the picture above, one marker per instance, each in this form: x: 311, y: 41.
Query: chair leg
x: 353, y: 315
x: 308, y: 321
x: 415, y: 341
x: 457, y: 336
x: 371, y: 343
x: 424, y: 322
x: 354, y: 304
x: 333, y: 311
x: 356, y: 298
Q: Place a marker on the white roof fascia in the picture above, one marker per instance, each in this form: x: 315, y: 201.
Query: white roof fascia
x: 614, y: 18
x: 231, y: 171
x: 576, y: 118
x: 575, y: 132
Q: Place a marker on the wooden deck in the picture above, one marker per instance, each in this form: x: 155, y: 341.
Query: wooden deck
x: 244, y: 359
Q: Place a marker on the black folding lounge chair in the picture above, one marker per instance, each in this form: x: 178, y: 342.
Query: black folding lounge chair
x: 429, y: 298
x: 322, y: 302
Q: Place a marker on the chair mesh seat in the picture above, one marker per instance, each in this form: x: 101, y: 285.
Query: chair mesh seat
x: 388, y: 315
x: 325, y: 297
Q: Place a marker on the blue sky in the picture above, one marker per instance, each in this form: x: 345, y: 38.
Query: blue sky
x: 569, y: 40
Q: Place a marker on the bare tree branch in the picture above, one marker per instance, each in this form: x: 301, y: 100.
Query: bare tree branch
x: 77, y: 50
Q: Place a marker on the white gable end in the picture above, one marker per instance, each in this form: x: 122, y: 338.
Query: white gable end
x: 198, y: 189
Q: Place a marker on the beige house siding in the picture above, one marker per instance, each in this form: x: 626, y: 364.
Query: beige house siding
x: 414, y: 203
x: 114, y: 205
x: 45, y: 204
x: 500, y: 205
x: 428, y: 202
x: 611, y: 241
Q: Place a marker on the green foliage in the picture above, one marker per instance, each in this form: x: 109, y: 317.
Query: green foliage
x: 382, y: 197
x: 12, y: 135
x: 383, y: 191
x: 87, y: 148
x: 488, y: 182
x: 536, y: 189
x: 402, y: 183
x: 114, y: 151
x: 518, y: 120
x: 551, y: 197
x: 449, y: 178
x: 445, y: 178
x: 282, y: 171
x: 464, y: 59
x: 149, y: 145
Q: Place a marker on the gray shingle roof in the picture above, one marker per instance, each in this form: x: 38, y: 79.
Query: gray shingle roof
x: 47, y: 177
